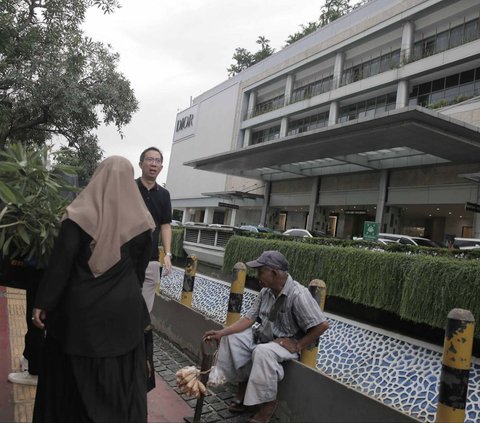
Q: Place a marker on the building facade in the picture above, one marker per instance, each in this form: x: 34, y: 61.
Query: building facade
x: 374, y: 117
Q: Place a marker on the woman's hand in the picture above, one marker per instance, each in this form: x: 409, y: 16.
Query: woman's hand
x: 38, y: 317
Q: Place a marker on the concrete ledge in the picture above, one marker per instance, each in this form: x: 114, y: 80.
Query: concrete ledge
x: 305, y: 395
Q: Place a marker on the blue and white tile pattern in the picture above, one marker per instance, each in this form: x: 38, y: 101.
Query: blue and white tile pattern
x: 401, y: 374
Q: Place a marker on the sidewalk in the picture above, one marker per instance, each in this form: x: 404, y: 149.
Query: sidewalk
x: 165, y: 403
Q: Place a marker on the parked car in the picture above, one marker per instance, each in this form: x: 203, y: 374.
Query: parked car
x: 252, y: 228
x: 466, y: 243
x: 383, y: 241
x: 303, y: 233
x: 261, y: 229
x: 176, y: 223
x: 409, y: 240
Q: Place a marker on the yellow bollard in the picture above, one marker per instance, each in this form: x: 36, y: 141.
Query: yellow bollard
x: 456, y: 363
x: 189, y: 281
x: 236, y: 293
x: 161, y: 257
x: 318, y: 289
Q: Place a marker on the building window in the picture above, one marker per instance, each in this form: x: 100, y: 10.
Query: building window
x: 371, y: 67
x: 445, y: 91
x: 264, y: 135
x: 268, y: 105
x: 451, y: 38
x: 368, y: 108
x: 308, y: 123
x: 312, y: 89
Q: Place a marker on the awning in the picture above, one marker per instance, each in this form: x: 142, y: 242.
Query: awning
x: 233, y: 195
x: 411, y: 136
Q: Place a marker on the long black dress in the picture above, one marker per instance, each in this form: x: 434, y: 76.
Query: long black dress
x: 95, y: 367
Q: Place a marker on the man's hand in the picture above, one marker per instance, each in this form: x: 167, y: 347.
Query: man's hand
x: 167, y: 265
x: 239, y: 326
x: 212, y: 335
x: 289, y: 344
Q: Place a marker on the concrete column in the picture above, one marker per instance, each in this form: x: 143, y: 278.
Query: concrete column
x: 338, y: 69
x: 476, y: 217
x: 247, y: 137
x: 185, y: 215
x: 313, y: 203
x: 408, y: 36
x: 266, y: 203
x: 208, y: 218
x: 402, y: 94
x: 382, y: 197
x: 333, y: 115
x: 252, y: 102
x: 283, y: 127
x: 233, y: 215
x: 340, y: 226
x: 289, y: 89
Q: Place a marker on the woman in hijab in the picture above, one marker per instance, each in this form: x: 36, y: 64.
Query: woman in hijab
x: 90, y: 303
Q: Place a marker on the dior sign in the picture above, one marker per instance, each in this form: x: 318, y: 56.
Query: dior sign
x: 184, y: 122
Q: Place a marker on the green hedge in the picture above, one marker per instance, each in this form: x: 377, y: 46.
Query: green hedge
x: 419, y: 288
x: 433, y: 286
x: 393, y: 247
x: 177, y: 242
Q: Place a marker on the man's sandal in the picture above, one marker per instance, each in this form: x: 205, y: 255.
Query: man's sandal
x: 236, y: 406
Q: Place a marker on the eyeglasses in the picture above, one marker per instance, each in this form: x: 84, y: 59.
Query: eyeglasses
x: 152, y: 160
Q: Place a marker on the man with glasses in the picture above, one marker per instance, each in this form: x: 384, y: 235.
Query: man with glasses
x: 157, y: 200
x: 284, y: 319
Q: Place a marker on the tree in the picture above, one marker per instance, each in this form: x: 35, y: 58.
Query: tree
x: 331, y: 10
x: 84, y: 158
x: 244, y: 59
x: 265, y: 50
x: 305, y: 30
x: 53, y: 79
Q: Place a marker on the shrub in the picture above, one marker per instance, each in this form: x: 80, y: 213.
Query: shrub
x: 32, y: 202
x: 177, y: 242
x: 417, y: 287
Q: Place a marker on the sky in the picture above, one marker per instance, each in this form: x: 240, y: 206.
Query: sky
x: 174, y: 50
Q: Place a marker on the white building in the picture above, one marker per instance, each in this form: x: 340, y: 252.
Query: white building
x: 374, y: 117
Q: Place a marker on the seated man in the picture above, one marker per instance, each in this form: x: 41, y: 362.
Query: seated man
x: 284, y: 319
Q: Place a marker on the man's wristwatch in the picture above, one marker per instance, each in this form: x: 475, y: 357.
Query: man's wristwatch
x: 168, y: 254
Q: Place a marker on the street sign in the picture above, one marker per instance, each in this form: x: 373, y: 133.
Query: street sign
x: 370, y: 231
x: 472, y: 207
x: 228, y: 205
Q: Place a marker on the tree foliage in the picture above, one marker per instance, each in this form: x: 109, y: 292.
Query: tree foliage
x: 53, y: 79
x: 84, y: 159
x: 244, y: 59
x: 32, y: 201
x: 330, y: 11
x: 305, y: 30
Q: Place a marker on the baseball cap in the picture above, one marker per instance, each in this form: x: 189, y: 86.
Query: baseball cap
x: 272, y: 258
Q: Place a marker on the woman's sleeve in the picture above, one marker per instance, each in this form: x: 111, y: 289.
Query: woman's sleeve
x: 142, y: 255
x: 59, y: 269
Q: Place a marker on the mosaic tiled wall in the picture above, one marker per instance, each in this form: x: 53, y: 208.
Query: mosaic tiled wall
x: 400, y: 374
